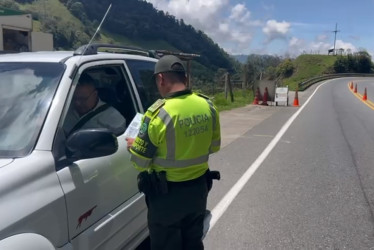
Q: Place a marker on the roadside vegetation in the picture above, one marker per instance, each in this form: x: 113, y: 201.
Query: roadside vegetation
x: 309, y: 66
x: 241, y: 98
x: 291, y: 72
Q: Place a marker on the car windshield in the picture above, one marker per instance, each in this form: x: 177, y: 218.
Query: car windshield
x: 26, y: 93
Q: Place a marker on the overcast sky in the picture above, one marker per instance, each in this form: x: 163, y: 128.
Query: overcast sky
x: 279, y: 26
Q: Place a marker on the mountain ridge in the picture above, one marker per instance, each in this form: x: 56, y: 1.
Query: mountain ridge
x: 131, y: 22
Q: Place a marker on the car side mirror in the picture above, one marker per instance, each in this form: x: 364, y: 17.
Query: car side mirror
x: 90, y: 143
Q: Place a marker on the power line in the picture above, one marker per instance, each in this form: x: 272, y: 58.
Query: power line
x: 335, y: 31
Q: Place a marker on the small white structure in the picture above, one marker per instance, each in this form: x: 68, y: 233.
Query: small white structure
x: 281, y: 95
x: 16, y: 33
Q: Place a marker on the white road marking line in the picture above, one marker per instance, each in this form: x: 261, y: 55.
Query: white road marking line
x: 225, y: 202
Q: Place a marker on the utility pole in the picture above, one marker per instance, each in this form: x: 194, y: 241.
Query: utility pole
x: 335, y: 31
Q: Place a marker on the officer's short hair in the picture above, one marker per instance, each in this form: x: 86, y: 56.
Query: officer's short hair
x: 178, y: 76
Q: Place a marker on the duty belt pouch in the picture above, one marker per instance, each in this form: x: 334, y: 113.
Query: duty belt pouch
x: 155, y: 189
x: 210, y: 176
x: 152, y: 183
x: 144, y: 184
x: 163, y: 184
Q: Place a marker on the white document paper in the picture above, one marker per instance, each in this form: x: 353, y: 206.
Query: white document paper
x: 133, y: 129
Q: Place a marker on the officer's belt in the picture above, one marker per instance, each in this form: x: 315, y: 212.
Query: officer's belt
x: 168, y: 163
x: 186, y: 183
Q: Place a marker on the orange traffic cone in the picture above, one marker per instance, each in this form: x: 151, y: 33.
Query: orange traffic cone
x: 365, y: 97
x: 355, y: 91
x: 351, y: 85
x: 266, y: 95
x: 296, y: 100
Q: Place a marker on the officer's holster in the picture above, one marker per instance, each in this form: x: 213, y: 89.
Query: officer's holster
x: 210, y: 176
x: 153, y: 183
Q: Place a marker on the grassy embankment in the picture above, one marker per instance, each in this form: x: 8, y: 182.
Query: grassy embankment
x: 309, y: 66
x: 241, y: 98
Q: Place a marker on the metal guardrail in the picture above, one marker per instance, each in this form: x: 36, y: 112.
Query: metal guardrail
x: 306, y: 84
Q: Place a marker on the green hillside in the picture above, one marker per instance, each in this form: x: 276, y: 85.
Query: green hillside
x: 130, y: 23
x: 309, y: 66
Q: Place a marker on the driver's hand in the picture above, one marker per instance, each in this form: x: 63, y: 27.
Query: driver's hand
x: 130, y: 141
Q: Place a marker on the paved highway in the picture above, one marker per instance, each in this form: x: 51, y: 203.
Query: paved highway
x: 297, y: 177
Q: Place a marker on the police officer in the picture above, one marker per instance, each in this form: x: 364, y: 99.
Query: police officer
x: 171, y: 150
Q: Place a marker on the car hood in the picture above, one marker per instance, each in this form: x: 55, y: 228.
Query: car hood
x: 4, y: 162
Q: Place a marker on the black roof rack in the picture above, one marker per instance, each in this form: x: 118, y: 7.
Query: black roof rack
x: 181, y: 55
x: 92, y: 49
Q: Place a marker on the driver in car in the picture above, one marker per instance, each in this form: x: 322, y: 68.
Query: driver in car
x: 88, y: 111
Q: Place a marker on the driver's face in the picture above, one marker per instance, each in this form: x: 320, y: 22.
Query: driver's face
x: 84, y: 99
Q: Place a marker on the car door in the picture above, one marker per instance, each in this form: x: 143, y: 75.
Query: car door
x: 105, y: 209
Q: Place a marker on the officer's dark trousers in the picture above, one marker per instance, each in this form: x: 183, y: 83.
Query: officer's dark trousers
x: 176, y: 219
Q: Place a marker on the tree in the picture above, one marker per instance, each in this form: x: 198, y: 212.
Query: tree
x: 340, y: 65
x: 77, y: 9
x: 364, y: 63
x: 285, y: 68
x: 360, y: 62
x: 10, y: 4
x: 271, y: 72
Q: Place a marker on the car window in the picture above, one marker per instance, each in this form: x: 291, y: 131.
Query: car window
x: 142, y: 72
x: 100, y: 100
x: 26, y: 93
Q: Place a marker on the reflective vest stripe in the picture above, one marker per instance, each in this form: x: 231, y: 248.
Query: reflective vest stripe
x: 213, y: 111
x: 141, y: 162
x: 170, y: 133
x: 180, y: 163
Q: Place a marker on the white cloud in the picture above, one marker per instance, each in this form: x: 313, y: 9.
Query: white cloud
x: 239, y: 13
x: 224, y: 27
x: 296, y: 46
x: 296, y: 43
x: 202, y: 14
x: 274, y: 30
x: 233, y: 27
x: 228, y: 25
x: 319, y: 46
x: 345, y: 46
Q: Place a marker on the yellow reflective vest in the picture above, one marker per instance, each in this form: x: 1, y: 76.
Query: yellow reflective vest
x: 177, y: 135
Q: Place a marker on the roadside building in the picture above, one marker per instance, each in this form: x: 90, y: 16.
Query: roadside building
x: 17, y: 35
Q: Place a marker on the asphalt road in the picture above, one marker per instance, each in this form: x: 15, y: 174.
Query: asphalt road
x: 312, y: 188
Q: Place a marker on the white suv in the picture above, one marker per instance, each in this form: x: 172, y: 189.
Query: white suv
x: 87, y: 198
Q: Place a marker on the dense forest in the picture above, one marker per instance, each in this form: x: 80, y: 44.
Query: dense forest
x: 129, y: 20
x: 138, y: 19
